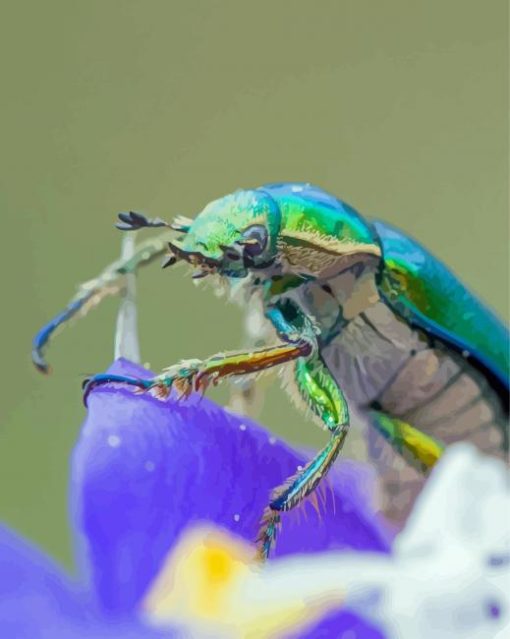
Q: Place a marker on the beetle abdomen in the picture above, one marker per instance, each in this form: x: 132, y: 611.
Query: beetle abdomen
x: 381, y: 362
x: 384, y: 364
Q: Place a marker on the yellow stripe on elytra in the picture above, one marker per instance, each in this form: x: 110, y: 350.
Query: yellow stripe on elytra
x: 419, y: 449
x: 423, y: 447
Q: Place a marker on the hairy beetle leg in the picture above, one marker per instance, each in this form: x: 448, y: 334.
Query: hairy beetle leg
x: 195, y: 375
x: 159, y: 385
x: 296, y: 489
x: 109, y: 282
x: 185, y: 378
x: 327, y: 401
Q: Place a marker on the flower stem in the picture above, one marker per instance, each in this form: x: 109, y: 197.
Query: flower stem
x: 126, y: 330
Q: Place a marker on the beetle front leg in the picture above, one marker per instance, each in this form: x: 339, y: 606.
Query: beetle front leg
x: 325, y: 398
x: 196, y: 375
x: 109, y: 282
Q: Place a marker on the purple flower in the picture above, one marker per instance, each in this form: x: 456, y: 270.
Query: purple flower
x: 38, y: 601
x: 143, y: 470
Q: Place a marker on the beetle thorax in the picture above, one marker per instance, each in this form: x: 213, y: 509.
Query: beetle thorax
x: 335, y: 301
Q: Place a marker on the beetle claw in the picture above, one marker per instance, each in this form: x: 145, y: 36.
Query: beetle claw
x: 90, y: 383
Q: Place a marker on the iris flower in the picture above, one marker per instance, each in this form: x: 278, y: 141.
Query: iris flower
x: 143, y: 471
x: 154, y: 482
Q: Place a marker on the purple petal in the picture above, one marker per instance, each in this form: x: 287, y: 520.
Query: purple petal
x: 144, y: 469
x: 37, y: 601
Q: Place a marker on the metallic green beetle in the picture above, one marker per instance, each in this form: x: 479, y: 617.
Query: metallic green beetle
x: 372, y: 322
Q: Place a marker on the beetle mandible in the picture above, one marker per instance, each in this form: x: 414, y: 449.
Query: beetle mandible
x: 370, y: 320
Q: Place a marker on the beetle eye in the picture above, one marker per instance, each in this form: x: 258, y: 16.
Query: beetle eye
x: 254, y: 240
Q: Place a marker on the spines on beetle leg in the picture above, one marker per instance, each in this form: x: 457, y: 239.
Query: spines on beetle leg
x: 270, y: 525
x: 287, y: 374
x: 298, y: 487
x: 321, y: 392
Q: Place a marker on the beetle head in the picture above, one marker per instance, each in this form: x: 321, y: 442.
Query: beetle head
x: 231, y: 235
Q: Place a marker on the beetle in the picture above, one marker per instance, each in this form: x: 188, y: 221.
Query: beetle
x: 370, y: 321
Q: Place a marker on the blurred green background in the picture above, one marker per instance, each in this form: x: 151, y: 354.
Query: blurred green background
x: 398, y: 107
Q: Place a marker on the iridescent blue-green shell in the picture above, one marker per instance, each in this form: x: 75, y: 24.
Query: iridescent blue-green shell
x: 427, y: 294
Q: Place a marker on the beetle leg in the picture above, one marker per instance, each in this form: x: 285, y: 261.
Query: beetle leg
x: 194, y: 375
x: 108, y: 282
x: 325, y: 398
